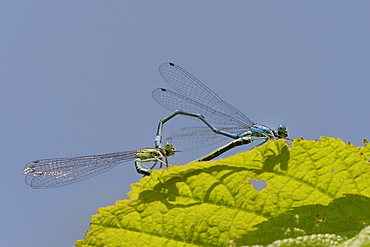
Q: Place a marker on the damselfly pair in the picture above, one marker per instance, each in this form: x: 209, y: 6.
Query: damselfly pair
x: 193, y: 99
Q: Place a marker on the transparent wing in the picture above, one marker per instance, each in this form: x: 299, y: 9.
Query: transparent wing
x: 190, y: 138
x: 196, y: 97
x: 50, y: 173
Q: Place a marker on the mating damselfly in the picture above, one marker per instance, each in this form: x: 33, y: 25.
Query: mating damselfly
x: 50, y: 173
x: 196, y: 100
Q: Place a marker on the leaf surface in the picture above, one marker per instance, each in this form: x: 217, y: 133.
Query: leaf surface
x: 316, y: 190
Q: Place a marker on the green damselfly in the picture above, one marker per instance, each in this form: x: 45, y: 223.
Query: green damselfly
x: 50, y: 173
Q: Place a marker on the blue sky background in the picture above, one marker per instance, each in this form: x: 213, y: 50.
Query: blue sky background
x: 76, y: 79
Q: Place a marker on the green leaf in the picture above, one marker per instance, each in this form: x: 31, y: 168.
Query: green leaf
x: 317, y: 192
x: 361, y: 239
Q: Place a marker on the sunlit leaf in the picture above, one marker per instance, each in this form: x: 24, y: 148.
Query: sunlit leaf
x: 316, y: 191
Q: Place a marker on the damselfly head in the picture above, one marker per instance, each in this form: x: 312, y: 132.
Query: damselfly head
x: 168, y: 146
x: 282, y: 131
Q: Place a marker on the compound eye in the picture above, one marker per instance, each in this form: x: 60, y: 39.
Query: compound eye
x: 168, y: 146
x: 282, y: 130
